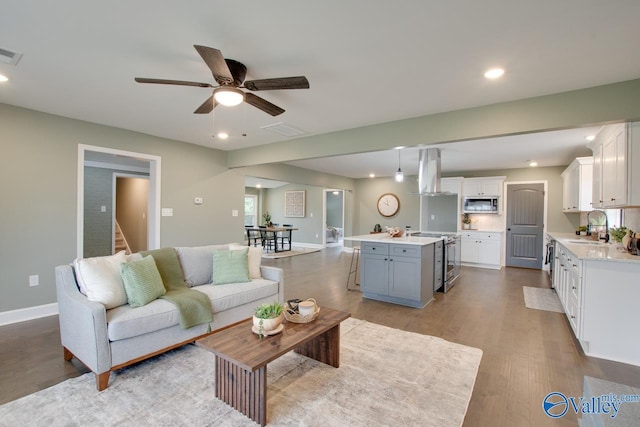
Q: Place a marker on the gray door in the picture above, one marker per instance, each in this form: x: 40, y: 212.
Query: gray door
x: 525, y: 216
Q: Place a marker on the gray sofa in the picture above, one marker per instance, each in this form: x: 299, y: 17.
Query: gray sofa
x: 107, y: 339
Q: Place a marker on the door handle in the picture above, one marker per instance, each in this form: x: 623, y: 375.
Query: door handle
x: 508, y: 229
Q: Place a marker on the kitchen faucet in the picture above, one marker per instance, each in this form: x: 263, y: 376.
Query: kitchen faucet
x: 606, y: 224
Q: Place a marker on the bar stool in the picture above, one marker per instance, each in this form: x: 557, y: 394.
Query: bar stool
x: 355, y: 256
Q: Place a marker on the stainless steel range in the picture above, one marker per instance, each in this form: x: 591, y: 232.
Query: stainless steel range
x: 451, y: 256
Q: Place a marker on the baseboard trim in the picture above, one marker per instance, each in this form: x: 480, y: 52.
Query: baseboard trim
x: 29, y: 313
x: 306, y: 245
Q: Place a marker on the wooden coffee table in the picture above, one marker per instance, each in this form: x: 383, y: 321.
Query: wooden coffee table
x: 242, y: 357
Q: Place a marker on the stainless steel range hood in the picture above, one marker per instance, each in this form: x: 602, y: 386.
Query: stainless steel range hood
x: 429, y: 173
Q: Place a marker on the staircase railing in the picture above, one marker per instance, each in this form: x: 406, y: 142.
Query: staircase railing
x: 119, y: 235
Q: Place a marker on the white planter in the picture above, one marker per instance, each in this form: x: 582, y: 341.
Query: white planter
x: 267, y: 324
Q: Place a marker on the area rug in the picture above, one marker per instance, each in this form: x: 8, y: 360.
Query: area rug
x: 386, y: 377
x: 542, y: 299
x: 293, y: 252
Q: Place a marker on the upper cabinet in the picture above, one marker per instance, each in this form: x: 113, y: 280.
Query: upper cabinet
x: 482, y: 187
x: 577, y: 182
x: 616, y: 152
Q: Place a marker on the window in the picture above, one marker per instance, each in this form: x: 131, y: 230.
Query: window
x: 250, y: 209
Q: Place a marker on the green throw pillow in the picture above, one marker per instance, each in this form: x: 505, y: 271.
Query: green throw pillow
x: 142, y: 281
x: 169, y: 267
x: 230, y: 266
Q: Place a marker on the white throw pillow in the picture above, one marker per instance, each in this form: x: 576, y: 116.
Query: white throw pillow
x: 99, y: 279
x: 255, y: 259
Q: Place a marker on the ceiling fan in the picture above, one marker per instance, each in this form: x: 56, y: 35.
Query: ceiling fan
x: 230, y: 76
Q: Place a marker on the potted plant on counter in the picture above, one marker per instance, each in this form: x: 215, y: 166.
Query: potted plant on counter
x: 267, y: 319
x: 466, y: 221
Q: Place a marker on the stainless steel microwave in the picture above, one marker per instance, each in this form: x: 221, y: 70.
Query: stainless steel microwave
x: 486, y: 205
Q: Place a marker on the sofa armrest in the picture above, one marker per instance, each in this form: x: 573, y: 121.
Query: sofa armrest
x: 83, y: 323
x: 277, y: 275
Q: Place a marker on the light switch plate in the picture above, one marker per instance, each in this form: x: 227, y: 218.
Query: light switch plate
x: 167, y: 211
x: 234, y: 212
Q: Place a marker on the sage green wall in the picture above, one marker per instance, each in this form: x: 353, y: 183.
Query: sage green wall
x: 557, y: 220
x: 310, y: 227
x: 616, y: 102
x: 369, y: 190
x: 38, y: 184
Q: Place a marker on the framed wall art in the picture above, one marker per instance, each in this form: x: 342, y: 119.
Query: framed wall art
x: 294, y: 204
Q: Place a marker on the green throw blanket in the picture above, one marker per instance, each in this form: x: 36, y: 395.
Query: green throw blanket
x: 194, y: 306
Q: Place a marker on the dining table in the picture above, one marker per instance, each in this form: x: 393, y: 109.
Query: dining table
x: 271, y: 234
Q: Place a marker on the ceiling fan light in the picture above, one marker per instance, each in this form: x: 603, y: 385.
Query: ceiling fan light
x: 228, y: 96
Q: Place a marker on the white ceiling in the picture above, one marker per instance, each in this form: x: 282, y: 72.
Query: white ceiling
x: 367, y: 62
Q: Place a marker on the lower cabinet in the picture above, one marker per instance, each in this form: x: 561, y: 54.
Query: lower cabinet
x: 600, y: 299
x: 481, y: 248
x: 397, y: 273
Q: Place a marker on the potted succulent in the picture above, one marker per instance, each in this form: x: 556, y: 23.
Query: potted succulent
x: 267, y: 318
x: 466, y: 221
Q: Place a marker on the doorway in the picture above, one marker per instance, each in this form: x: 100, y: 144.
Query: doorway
x: 333, y: 233
x: 526, y: 211
x: 131, y: 206
x: 118, y: 159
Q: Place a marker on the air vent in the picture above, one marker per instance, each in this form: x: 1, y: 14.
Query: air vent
x: 283, y: 129
x: 9, y: 57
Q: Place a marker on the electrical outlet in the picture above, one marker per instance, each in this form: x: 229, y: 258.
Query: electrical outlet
x: 34, y: 280
x: 198, y: 200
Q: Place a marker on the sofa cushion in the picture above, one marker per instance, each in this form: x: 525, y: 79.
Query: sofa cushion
x: 230, y: 267
x: 125, y: 322
x: 197, y: 263
x: 142, y: 281
x: 254, y: 257
x: 99, y: 279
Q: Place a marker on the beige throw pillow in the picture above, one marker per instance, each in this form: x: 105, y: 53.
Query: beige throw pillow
x: 255, y: 259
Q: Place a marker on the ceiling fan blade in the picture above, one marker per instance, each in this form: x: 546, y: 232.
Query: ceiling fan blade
x: 298, y: 82
x: 262, y: 104
x: 215, y: 61
x: 207, y: 106
x: 171, y: 82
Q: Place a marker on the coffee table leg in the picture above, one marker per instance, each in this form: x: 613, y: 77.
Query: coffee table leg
x: 324, y: 348
x: 245, y: 391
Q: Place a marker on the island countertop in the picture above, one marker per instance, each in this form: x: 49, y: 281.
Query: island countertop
x: 385, y: 238
x: 591, y: 250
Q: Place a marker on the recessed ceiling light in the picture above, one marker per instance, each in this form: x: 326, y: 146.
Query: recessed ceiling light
x: 590, y: 137
x: 3, y: 78
x: 223, y: 135
x: 494, y: 73
x: 533, y: 163
x: 372, y: 175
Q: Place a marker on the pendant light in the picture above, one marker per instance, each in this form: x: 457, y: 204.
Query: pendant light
x: 399, y: 173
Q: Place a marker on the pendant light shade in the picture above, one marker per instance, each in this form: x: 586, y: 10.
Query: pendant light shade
x: 399, y: 173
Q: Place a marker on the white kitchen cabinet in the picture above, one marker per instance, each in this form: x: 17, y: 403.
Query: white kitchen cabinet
x: 481, y: 249
x: 616, y: 181
x: 599, y: 297
x: 451, y: 185
x: 482, y: 187
x: 577, y: 185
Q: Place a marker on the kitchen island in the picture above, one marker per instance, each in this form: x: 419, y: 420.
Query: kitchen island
x: 597, y: 284
x: 399, y: 270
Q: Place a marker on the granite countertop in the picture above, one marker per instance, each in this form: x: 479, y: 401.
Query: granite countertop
x: 593, y: 252
x: 385, y: 238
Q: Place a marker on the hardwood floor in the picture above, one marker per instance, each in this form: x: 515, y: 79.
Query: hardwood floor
x: 527, y: 353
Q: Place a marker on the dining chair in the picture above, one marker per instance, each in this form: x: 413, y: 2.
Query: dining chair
x: 252, y: 235
x: 286, y: 235
x: 268, y: 238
